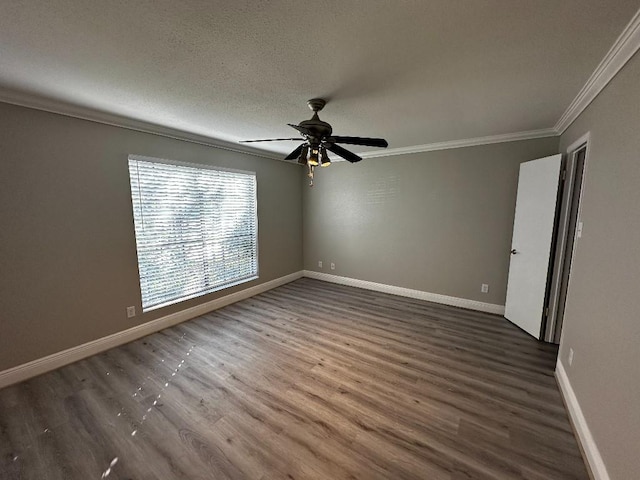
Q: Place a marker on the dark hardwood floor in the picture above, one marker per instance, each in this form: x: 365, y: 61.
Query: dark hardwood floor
x: 308, y: 381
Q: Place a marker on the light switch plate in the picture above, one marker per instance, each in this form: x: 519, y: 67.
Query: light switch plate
x: 570, y: 356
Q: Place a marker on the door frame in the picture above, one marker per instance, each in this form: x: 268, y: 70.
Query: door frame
x: 552, y: 330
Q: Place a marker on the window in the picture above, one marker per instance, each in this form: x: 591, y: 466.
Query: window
x: 196, y: 229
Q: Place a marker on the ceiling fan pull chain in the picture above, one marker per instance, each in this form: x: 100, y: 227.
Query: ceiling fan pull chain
x: 310, y: 174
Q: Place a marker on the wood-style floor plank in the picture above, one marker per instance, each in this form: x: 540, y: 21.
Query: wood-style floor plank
x: 307, y: 381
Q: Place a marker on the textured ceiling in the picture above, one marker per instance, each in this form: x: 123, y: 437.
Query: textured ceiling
x: 414, y: 72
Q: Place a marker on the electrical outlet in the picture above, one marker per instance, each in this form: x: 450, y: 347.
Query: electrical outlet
x: 319, y: 263
x: 484, y: 288
x: 333, y: 266
x: 131, y: 312
x: 570, y: 356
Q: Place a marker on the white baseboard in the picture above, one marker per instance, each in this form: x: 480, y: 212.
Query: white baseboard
x: 407, y: 292
x: 594, y: 459
x: 59, y: 359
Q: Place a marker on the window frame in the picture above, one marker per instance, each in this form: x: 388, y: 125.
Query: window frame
x: 199, y: 166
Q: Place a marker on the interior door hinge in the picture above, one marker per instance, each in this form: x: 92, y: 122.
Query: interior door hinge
x: 564, y: 174
x: 546, y: 312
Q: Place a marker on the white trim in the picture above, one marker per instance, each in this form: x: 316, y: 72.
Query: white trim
x: 622, y: 50
x: 584, y: 139
x: 84, y: 113
x: 407, y: 292
x: 65, y: 357
x: 563, y: 233
x: 593, y: 457
x: 467, y: 142
x: 579, y: 142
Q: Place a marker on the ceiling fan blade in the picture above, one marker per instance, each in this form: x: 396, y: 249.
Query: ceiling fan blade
x: 369, y: 142
x: 296, y: 153
x: 344, y: 153
x: 304, y: 131
x: 270, y: 140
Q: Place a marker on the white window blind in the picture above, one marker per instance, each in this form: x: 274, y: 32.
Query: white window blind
x: 196, y: 229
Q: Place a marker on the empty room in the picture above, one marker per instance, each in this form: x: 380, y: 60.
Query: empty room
x: 320, y: 240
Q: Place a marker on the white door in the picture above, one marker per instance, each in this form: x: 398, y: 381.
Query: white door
x: 531, y: 242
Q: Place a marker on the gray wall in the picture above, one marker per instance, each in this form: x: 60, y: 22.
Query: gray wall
x: 68, y: 265
x: 439, y: 222
x: 602, y: 318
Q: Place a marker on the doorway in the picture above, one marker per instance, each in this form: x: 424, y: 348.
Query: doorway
x: 569, y: 229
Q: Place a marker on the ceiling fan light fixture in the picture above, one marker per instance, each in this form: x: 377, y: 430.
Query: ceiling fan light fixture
x: 302, y: 159
x: 313, y: 158
x: 325, y: 161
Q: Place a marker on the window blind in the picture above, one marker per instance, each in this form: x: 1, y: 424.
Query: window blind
x: 196, y: 229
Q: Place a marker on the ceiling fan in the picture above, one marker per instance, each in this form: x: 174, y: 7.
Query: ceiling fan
x: 318, y: 141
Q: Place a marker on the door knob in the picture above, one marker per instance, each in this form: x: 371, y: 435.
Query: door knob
x: 513, y: 251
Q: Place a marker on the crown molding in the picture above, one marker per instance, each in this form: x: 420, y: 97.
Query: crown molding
x: 467, y: 142
x: 84, y: 113
x: 620, y: 53
x: 626, y: 45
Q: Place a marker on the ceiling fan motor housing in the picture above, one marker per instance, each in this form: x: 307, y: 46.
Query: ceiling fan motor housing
x: 317, y: 128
